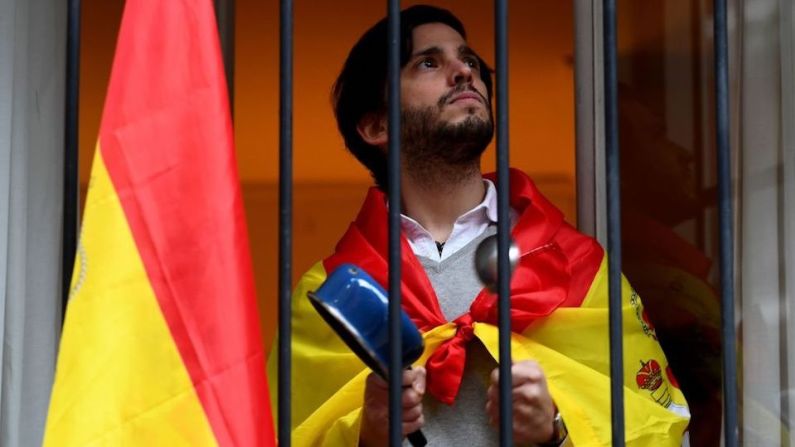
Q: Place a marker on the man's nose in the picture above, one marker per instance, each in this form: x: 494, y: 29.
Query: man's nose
x: 460, y: 72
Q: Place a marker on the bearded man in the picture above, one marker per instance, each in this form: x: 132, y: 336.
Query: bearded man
x: 559, y: 296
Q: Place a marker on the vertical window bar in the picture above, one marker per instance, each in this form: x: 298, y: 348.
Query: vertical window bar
x: 725, y: 221
x: 71, y: 169
x: 393, y: 162
x: 225, y: 17
x: 613, y: 223
x: 503, y: 221
x: 285, y: 215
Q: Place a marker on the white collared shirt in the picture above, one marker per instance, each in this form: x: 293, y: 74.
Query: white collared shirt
x: 466, y: 228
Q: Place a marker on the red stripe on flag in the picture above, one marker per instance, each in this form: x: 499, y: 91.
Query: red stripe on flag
x: 166, y: 138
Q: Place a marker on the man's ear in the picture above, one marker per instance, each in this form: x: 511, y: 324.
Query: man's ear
x: 372, y: 129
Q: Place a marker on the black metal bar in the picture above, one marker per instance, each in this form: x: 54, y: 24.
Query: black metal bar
x: 225, y: 17
x: 731, y: 434
x: 613, y: 223
x: 696, y: 58
x: 285, y: 216
x: 71, y: 178
x: 503, y: 222
x: 393, y: 154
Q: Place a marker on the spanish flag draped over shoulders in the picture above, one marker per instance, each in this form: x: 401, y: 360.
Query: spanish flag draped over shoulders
x: 559, y: 318
x: 161, y: 343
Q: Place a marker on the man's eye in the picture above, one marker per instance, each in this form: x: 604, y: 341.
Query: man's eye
x: 472, y: 62
x: 427, y: 63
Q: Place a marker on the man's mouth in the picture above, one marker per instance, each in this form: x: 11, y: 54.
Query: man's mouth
x: 466, y: 96
x: 462, y: 93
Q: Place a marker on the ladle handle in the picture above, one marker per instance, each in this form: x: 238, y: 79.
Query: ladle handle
x: 417, y: 439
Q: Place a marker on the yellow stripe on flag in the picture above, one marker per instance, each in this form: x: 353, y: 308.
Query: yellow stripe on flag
x: 139, y: 391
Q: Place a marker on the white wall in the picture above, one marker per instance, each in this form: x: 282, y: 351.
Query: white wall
x: 766, y: 217
x: 32, y: 78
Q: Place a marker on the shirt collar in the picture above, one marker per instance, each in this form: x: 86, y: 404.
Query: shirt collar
x: 483, y: 213
x: 487, y: 206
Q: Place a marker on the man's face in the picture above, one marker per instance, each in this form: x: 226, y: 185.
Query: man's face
x: 446, y: 118
x: 443, y: 75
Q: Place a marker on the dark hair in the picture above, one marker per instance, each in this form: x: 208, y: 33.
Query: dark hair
x: 361, y: 85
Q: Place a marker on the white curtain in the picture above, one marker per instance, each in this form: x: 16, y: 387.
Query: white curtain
x: 32, y: 72
x: 764, y: 96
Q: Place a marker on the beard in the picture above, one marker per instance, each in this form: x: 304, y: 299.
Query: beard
x: 436, y: 152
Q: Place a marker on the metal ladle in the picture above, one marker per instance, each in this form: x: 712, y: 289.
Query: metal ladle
x: 486, y: 261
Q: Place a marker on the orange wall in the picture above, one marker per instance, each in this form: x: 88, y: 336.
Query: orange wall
x: 100, y: 24
x: 329, y: 182
x: 541, y: 103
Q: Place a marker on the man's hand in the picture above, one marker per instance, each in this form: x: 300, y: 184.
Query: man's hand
x: 375, y: 412
x: 533, y: 409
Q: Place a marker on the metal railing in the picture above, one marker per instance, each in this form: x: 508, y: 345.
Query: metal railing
x: 393, y: 180
x: 503, y: 220
x: 71, y: 179
x: 725, y: 213
x: 613, y: 176
x: 614, y: 231
x: 285, y: 217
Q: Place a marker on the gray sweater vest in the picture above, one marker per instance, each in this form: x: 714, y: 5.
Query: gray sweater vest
x: 465, y: 422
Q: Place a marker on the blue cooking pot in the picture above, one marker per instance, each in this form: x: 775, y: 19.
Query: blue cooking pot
x: 357, y: 308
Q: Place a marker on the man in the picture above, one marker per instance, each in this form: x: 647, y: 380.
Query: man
x: 558, y: 292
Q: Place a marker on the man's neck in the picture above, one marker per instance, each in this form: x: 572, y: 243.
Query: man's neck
x: 437, y: 205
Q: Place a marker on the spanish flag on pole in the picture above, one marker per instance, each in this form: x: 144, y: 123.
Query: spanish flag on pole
x: 161, y: 344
